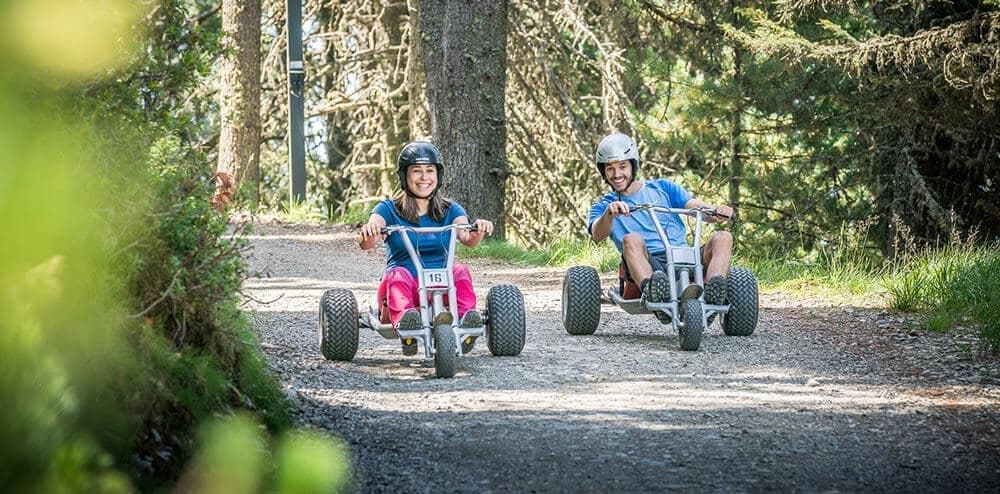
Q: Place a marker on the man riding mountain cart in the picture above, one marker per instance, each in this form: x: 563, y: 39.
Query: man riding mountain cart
x: 660, y: 272
x: 635, y: 237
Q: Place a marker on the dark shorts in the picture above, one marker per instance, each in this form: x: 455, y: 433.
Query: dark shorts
x: 657, y: 261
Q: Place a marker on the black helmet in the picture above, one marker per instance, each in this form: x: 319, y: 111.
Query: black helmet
x: 617, y: 147
x: 419, y: 153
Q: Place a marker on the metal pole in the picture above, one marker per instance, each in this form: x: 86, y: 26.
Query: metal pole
x: 296, y: 105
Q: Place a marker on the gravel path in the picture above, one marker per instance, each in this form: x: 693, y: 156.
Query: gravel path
x: 823, y: 397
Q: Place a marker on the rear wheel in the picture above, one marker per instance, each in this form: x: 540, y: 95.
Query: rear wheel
x: 581, y: 300
x: 338, y: 324
x: 694, y: 324
x: 444, y: 351
x: 505, y: 321
x: 741, y: 320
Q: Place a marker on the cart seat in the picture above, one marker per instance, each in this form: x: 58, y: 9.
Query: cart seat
x: 627, y: 287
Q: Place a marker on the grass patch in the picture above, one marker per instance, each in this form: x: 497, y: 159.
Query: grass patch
x: 299, y: 212
x: 563, y: 253
x: 955, y: 285
x: 355, y: 214
x: 821, y: 275
x: 838, y: 280
x: 304, y: 212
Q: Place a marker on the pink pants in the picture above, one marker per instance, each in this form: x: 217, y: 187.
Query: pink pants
x: 399, y: 289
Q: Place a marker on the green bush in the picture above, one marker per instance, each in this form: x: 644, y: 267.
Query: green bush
x: 119, y: 331
x: 234, y: 455
x: 62, y: 328
x: 195, y: 344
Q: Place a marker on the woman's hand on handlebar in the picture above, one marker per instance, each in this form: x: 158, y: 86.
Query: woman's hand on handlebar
x: 371, y: 232
x: 481, y: 228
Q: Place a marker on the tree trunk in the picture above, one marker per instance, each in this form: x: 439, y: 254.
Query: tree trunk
x: 736, y: 130
x: 613, y: 109
x: 465, y: 62
x: 419, y: 119
x: 394, y: 112
x: 239, y: 101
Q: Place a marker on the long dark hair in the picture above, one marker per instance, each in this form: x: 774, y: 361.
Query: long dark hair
x: 406, y: 206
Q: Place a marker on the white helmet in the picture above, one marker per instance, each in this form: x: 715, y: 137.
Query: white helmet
x: 617, y: 147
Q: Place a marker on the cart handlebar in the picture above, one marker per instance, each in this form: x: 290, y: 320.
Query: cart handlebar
x: 688, y: 211
x: 428, y: 229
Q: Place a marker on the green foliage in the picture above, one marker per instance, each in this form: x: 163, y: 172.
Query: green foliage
x: 234, y: 455
x: 506, y: 251
x: 62, y: 327
x: 814, y: 275
x: 308, y: 462
x: 845, y: 264
x: 163, y: 69
x: 200, y: 268
x: 954, y: 285
x: 903, y: 83
x: 230, y: 458
x: 120, y: 329
x: 355, y: 214
x: 603, y: 256
x: 297, y: 213
x: 198, y: 347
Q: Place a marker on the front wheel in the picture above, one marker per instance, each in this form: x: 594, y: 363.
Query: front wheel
x: 338, y: 324
x: 444, y: 351
x: 741, y: 320
x: 581, y: 300
x: 505, y: 321
x: 694, y: 324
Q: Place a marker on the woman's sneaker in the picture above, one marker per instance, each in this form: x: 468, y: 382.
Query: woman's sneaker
x: 409, y: 321
x: 715, y: 290
x: 471, y: 319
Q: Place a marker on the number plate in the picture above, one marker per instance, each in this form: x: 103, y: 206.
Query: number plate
x: 436, y: 278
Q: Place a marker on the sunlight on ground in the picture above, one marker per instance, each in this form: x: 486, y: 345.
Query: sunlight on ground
x: 651, y: 394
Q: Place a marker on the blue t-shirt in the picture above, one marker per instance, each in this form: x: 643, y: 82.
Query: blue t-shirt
x: 661, y: 192
x: 431, y: 247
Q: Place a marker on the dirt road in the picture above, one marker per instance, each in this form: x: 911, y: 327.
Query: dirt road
x: 823, y: 397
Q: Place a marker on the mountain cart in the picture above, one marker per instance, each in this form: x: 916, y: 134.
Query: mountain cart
x: 440, y: 335
x: 685, y: 307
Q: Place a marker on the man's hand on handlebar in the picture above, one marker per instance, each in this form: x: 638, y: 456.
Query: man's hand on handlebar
x: 617, y: 208
x: 721, y: 213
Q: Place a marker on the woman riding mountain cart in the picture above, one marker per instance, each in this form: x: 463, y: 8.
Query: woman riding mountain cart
x: 420, y: 172
x: 424, y: 296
